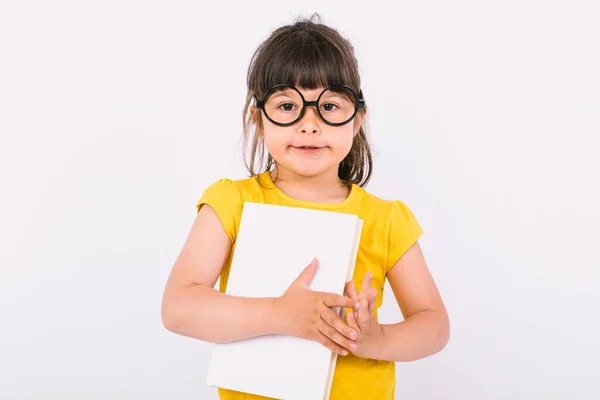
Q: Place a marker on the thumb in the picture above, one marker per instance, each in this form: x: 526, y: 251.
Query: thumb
x: 308, y: 273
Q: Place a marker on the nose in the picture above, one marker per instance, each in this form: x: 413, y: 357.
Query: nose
x: 308, y: 123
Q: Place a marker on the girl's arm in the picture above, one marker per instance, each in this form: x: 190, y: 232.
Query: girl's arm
x: 426, y: 328
x: 192, y: 307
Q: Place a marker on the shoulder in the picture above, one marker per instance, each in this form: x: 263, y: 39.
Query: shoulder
x: 231, y: 191
x: 397, y: 220
x: 221, y: 190
x: 387, y: 208
x: 226, y: 196
x: 396, y: 211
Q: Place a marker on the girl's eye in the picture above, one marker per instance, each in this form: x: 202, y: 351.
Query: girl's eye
x: 329, y: 107
x: 287, y: 107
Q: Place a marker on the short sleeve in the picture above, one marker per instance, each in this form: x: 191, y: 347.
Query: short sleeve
x: 225, y: 198
x: 404, y: 230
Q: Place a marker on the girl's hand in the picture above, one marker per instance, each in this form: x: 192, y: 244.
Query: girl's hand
x: 306, y: 313
x: 362, y: 318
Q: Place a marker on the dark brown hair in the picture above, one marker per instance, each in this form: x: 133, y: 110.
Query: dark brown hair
x: 309, y: 55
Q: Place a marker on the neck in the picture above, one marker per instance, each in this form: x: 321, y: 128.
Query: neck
x: 323, y: 188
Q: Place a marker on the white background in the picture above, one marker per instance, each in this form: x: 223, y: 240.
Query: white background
x: 115, y: 116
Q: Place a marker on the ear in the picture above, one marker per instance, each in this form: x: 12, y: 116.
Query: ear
x: 256, y: 116
x: 358, y: 121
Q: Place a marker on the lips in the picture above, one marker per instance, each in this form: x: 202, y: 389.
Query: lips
x: 308, y: 150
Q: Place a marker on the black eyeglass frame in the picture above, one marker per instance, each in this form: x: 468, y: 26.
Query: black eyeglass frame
x: 360, y: 103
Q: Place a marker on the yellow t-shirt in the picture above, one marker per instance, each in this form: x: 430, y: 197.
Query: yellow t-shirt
x: 389, y: 229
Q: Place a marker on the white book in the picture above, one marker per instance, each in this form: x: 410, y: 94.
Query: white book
x: 274, y: 244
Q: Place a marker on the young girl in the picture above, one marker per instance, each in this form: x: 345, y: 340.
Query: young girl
x: 303, y: 120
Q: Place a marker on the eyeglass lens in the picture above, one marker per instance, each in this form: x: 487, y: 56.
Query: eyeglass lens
x: 336, y: 105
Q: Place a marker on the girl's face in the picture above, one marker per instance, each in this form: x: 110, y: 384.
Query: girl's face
x: 310, y: 147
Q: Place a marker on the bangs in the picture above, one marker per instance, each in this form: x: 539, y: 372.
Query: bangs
x: 306, y: 61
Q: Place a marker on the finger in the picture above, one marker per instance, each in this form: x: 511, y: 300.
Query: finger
x: 331, y: 345
x: 352, y: 323
x: 335, y: 300
x: 363, y: 313
x: 307, y: 275
x: 335, y: 322
x: 372, y: 300
x: 367, y: 282
x: 351, y: 292
x: 335, y: 336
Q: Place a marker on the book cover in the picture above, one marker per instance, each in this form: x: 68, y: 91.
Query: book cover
x: 274, y: 244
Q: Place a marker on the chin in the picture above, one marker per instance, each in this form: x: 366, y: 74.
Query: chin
x: 308, y: 172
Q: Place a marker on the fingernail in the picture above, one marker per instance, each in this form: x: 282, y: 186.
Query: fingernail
x: 352, y: 335
x: 357, y: 305
x: 353, y: 346
x: 344, y: 352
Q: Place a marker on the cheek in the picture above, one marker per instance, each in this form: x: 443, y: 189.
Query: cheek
x: 276, y: 138
x: 275, y: 141
x: 344, y: 142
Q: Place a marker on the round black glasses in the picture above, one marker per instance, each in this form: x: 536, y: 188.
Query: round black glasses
x: 337, y: 105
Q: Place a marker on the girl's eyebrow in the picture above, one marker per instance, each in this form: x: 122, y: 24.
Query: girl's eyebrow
x: 282, y: 93
x: 333, y: 94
